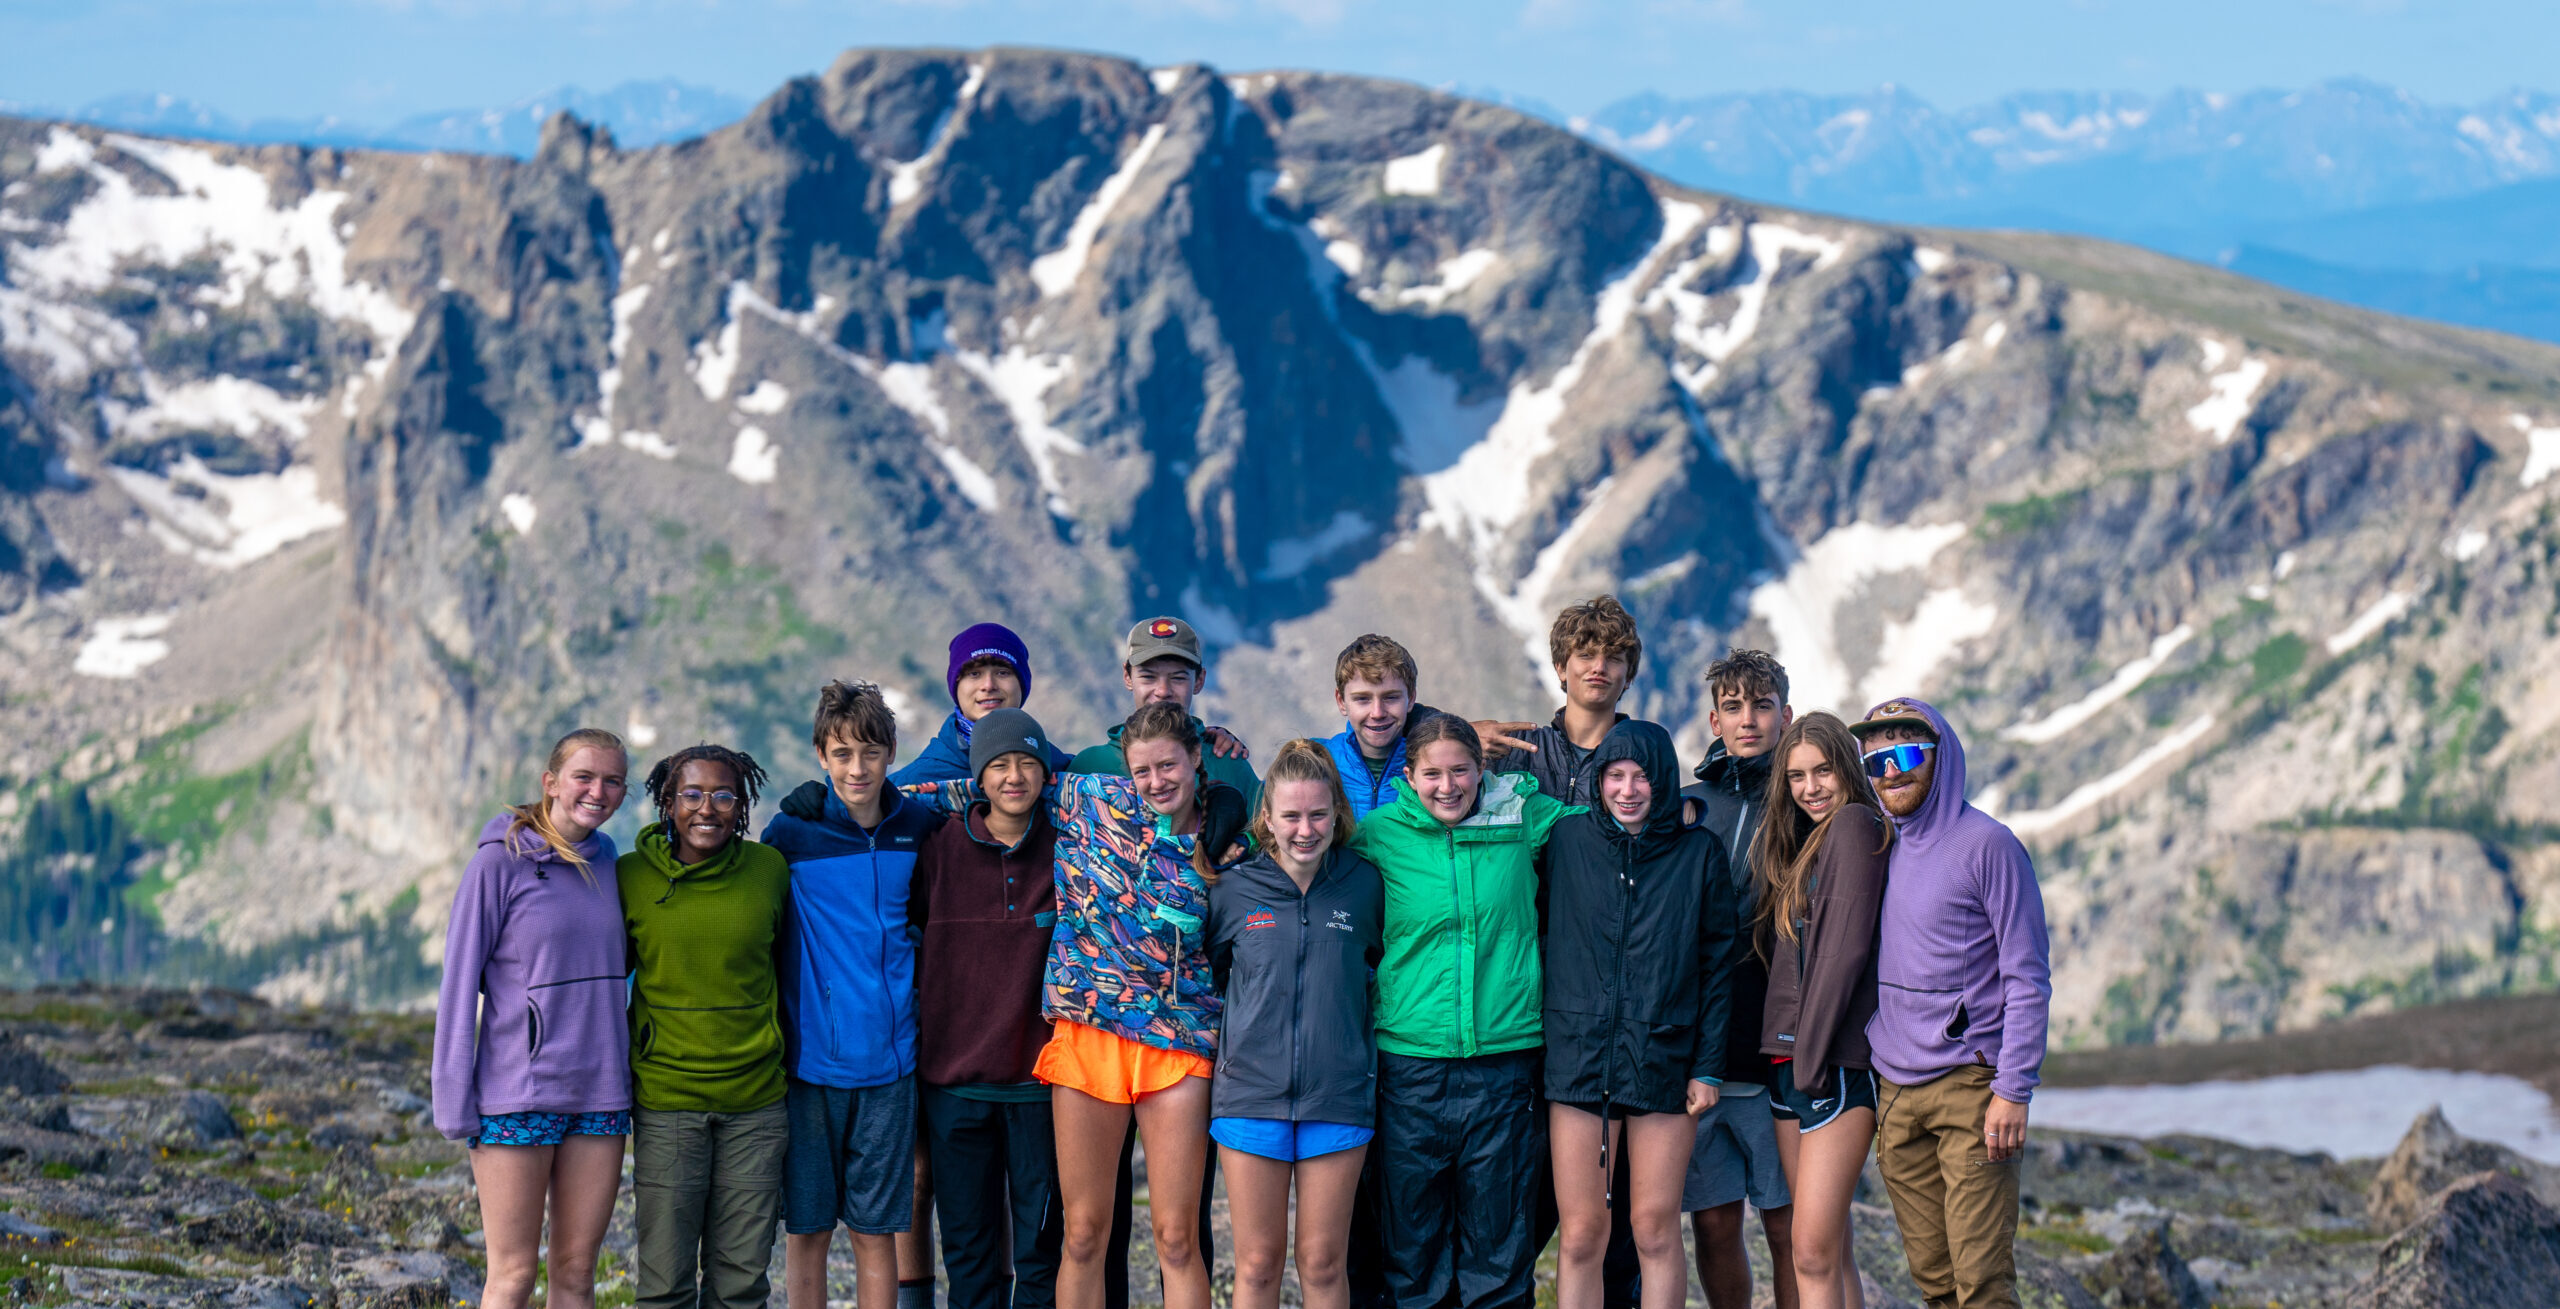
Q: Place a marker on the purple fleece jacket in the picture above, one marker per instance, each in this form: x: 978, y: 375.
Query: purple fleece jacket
x: 1965, y: 971
x: 530, y: 1016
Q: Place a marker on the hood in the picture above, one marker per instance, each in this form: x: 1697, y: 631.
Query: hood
x: 529, y: 846
x: 1945, y: 807
x: 656, y: 845
x: 1726, y: 771
x: 1649, y: 746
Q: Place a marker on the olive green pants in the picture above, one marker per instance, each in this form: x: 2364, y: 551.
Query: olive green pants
x: 1958, y: 1210
x: 706, y: 1194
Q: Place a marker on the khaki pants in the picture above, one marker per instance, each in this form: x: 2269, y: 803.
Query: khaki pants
x: 1957, y: 1209
x: 706, y: 1192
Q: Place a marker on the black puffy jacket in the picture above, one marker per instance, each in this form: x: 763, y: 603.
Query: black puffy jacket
x: 1639, y: 944
x: 1299, y: 1041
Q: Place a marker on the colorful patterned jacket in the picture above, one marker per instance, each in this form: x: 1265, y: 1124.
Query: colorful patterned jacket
x: 1130, y: 953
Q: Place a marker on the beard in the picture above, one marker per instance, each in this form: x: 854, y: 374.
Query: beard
x: 1907, y: 800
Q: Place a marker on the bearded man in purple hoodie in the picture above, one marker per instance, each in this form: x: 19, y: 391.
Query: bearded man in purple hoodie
x: 1964, y: 981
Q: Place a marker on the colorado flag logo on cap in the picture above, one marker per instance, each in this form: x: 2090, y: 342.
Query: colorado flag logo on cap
x: 1162, y: 628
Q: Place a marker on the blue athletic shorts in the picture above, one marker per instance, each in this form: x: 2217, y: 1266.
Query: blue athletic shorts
x: 1288, y: 1142
x: 536, y: 1128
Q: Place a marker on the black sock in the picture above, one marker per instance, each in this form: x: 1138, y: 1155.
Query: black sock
x: 917, y: 1294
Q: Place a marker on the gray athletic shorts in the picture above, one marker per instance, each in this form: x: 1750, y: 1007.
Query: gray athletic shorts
x: 1736, y: 1157
x: 852, y: 1158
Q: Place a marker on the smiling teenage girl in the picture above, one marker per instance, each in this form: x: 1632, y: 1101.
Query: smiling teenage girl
x: 1295, y: 931
x: 1821, y: 857
x: 531, y: 1055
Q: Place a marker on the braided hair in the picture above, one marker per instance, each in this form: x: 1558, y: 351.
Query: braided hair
x: 750, y: 775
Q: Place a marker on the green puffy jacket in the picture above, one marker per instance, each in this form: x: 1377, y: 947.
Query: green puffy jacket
x: 706, y: 1034
x: 1460, y: 976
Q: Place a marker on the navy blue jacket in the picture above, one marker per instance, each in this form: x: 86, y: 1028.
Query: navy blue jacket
x: 848, y: 959
x: 945, y: 758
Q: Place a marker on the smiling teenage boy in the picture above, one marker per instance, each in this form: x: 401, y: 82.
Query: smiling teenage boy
x: 1596, y: 652
x: 1736, y: 1158
x: 848, y: 988
x: 1965, y: 979
x: 1163, y: 664
x: 989, y: 669
x: 1373, y: 686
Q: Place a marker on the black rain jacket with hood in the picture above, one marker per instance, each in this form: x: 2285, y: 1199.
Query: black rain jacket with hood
x: 1299, y: 1041
x: 1639, y: 945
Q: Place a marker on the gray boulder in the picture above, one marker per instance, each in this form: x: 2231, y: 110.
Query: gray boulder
x: 2145, y: 1272
x: 2486, y: 1242
x: 2432, y: 1157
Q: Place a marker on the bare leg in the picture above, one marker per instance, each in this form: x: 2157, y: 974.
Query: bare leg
x: 1724, y: 1262
x: 1582, y: 1205
x: 875, y: 1271
x: 1658, y: 1147
x: 1779, y: 1226
x: 586, y: 1173
x: 1258, y: 1209
x: 1328, y: 1191
x: 804, y: 1268
x: 1089, y: 1134
x: 1825, y: 1178
x: 1173, y: 1126
x: 514, y: 1183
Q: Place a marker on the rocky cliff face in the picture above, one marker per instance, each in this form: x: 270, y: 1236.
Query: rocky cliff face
x: 334, y: 485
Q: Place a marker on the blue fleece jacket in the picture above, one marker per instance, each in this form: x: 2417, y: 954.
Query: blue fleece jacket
x: 848, y: 959
x: 945, y: 758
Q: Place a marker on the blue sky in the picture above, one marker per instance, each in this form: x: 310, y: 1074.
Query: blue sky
x: 374, y: 60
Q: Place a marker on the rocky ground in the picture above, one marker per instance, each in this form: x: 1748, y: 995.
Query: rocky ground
x: 201, y: 1149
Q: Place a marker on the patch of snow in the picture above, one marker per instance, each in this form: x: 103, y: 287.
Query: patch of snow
x: 260, y: 513
x: 768, y: 397
x: 2467, y: 545
x: 1165, y: 79
x: 74, y: 340
x: 221, y: 209
x: 1020, y: 381
x: 2085, y: 798
x: 1347, y: 256
x: 1454, y: 274
x: 641, y: 733
x: 1479, y: 497
x: 906, y: 178
x: 598, y: 430
x: 1293, y: 556
x: 1993, y: 335
x: 2054, y: 725
x: 64, y: 149
x: 2284, y: 565
x: 753, y: 458
x: 1417, y: 174
x: 1215, y: 623
x: 714, y: 364
x: 2220, y: 414
x: 1058, y: 270
x: 1803, y: 611
x: 1911, y: 649
x: 647, y: 443
x: 910, y: 387
x: 520, y: 511
x: 1524, y: 607
x: 659, y: 242
x: 975, y: 483
x: 2354, y: 1114
x: 219, y: 404
x: 1691, y: 324
x: 2376, y: 616
x: 122, y: 647
x: 2542, y: 450
x: 1930, y: 258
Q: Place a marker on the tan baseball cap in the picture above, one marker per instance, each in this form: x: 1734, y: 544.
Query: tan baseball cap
x: 1154, y: 638
x: 1894, y: 713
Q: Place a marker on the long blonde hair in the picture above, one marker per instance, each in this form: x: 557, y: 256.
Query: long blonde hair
x: 1302, y: 760
x: 537, y: 815
x: 1782, y: 854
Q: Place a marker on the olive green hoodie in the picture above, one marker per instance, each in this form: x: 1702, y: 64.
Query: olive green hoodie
x: 1460, y: 976
x: 706, y: 1035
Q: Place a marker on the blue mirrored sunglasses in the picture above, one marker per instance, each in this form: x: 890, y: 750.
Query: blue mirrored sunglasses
x: 1899, y: 758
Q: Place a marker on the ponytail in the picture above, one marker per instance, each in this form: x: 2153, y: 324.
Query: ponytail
x: 537, y: 815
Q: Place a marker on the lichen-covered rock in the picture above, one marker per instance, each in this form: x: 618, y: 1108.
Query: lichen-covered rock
x: 2485, y: 1242
x: 2145, y: 1272
x: 2431, y: 1157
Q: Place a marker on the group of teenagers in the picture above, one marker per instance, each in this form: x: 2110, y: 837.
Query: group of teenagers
x: 1460, y: 988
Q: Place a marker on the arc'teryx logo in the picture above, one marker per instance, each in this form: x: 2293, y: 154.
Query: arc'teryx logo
x: 1341, y: 921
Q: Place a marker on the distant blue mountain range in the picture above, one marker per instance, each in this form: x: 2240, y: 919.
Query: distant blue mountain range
x: 2348, y: 189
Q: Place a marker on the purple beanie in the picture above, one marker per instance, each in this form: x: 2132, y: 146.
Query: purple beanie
x: 987, y: 641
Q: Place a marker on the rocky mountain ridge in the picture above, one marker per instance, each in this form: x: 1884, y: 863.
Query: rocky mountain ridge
x: 339, y: 482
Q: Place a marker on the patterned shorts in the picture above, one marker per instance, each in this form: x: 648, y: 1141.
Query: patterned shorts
x: 533, y: 1128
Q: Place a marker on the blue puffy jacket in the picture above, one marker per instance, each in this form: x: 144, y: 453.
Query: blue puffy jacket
x: 1369, y: 790
x: 849, y: 959
x: 945, y: 758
